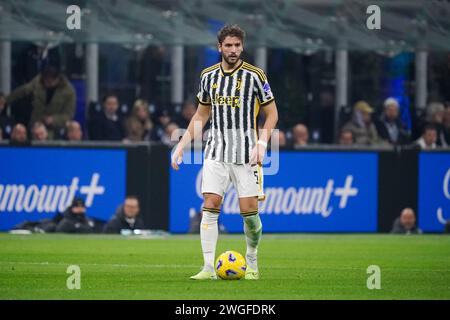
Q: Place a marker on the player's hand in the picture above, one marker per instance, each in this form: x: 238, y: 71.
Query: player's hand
x: 177, y: 157
x: 258, y: 154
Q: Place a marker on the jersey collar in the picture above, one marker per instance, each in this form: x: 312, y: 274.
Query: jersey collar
x: 230, y: 73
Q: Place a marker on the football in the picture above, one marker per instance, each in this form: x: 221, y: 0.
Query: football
x: 230, y: 265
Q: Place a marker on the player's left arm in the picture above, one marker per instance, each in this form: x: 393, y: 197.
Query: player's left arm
x: 271, y: 118
x: 271, y: 115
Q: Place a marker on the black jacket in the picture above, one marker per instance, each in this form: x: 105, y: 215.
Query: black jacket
x: 75, y: 223
x: 398, y: 228
x: 102, y: 128
x: 118, y: 222
x: 383, y: 132
x: 6, y: 125
x: 41, y: 226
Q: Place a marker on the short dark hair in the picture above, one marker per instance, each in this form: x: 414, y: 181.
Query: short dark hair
x: 230, y: 30
x: 50, y: 72
x: 110, y: 95
x: 78, y: 202
x: 429, y: 127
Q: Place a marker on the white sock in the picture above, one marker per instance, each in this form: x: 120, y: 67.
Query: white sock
x: 209, y: 233
x: 253, y: 232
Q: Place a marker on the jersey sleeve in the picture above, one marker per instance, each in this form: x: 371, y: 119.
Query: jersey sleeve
x: 263, y: 91
x: 203, y: 94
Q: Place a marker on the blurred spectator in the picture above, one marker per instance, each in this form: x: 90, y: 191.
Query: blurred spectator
x: 445, y: 134
x: 107, y: 125
x: 389, y: 126
x: 162, y: 119
x: 139, y: 125
x: 280, y: 137
x: 187, y: 112
x: 428, y: 139
x: 142, y: 112
x: 6, y: 122
x: 126, y: 217
x: 53, y: 99
x: 2, y: 101
x: 195, y: 218
x: 39, y: 132
x: 73, y: 131
x: 134, y: 130
x: 169, y: 138
x: 75, y: 220
x: 19, y: 135
x: 30, y: 60
x: 346, y: 137
x: 361, y: 125
x: 435, y: 116
x: 300, y: 136
x: 406, y: 223
x: 41, y: 226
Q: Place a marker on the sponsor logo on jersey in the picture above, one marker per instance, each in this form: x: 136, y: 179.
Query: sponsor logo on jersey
x: 230, y: 101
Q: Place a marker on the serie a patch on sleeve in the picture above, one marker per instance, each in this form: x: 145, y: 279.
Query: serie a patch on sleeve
x: 267, y: 90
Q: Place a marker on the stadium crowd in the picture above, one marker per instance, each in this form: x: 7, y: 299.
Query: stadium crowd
x: 76, y: 219
x: 52, y: 104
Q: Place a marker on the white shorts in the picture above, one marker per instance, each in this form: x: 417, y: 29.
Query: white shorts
x: 247, y: 180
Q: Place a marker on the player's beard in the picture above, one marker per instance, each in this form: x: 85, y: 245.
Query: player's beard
x: 230, y: 62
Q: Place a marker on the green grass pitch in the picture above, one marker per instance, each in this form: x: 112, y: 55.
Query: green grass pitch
x: 293, y: 266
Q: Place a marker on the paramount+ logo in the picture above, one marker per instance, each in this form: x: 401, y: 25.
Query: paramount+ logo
x: 296, y: 200
x: 47, y: 198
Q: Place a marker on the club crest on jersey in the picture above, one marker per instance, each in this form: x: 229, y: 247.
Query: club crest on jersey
x: 214, y: 86
x: 230, y: 101
x: 238, y: 84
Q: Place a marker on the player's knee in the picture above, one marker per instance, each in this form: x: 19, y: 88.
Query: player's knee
x: 250, y: 207
x: 212, y: 201
x: 248, y: 204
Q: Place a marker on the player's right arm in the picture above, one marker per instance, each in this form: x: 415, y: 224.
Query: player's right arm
x: 195, y: 128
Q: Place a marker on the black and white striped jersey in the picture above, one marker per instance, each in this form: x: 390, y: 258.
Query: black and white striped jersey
x: 235, y: 98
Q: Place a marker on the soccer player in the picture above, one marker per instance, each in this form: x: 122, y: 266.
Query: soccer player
x: 231, y: 94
